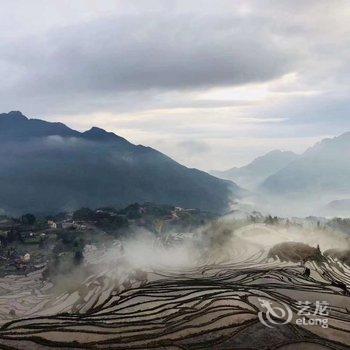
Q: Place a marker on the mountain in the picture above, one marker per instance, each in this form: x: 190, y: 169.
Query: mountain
x: 14, y: 126
x: 258, y: 170
x: 323, y: 170
x: 339, y: 207
x: 48, y: 167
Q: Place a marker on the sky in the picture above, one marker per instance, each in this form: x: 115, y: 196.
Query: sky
x: 213, y: 84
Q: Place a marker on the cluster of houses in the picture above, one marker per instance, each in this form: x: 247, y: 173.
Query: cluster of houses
x: 23, y: 243
x: 66, y: 225
x: 18, y: 242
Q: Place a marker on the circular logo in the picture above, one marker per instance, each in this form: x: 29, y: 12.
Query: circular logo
x: 274, y: 315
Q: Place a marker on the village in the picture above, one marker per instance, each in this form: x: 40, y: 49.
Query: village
x: 29, y: 243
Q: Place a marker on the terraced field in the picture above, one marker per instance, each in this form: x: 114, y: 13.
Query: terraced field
x: 213, y: 304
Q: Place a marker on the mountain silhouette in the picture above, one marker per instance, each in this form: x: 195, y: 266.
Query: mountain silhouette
x: 323, y: 169
x: 254, y: 173
x: 47, y: 167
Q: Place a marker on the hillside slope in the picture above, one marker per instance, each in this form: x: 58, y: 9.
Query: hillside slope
x: 47, y: 167
x: 322, y: 169
x: 251, y: 175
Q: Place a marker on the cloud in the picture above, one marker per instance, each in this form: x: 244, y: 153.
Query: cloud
x: 95, y: 61
x: 193, y: 146
x: 181, y: 70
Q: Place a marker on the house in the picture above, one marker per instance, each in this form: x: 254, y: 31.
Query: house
x: 66, y: 225
x: 52, y: 224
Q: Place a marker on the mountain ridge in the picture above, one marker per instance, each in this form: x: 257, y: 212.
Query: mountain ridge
x: 322, y: 168
x: 49, y: 167
x: 252, y: 174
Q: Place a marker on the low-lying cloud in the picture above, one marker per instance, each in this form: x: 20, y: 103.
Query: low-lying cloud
x: 278, y: 60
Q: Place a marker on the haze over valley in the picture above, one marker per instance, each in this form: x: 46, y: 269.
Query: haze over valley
x: 175, y: 175
x: 315, y: 182
x: 99, y: 168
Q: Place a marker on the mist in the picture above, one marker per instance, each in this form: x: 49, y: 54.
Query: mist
x: 144, y: 256
x: 220, y: 263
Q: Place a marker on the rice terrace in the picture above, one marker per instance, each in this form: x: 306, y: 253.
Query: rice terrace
x: 209, y: 304
x: 175, y: 175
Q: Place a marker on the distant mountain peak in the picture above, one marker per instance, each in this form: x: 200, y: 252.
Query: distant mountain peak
x: 100, y: 134
x: 323, y: 170
x: 342, y: 140
x: 252, y: 174
x: 273, y: 155
x: 104, y: 170
x: 278, y: 151
x: 95, y: 131
x: 14, y: 115
x: 15, y: 125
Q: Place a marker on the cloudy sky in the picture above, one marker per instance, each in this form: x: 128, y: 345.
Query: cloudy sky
x: 213, y: 84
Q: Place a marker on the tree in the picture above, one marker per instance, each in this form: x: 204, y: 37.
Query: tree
x: 78, y: 257
x: 28, y: 219
x: 84, y: 214
x: 14, y: 236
